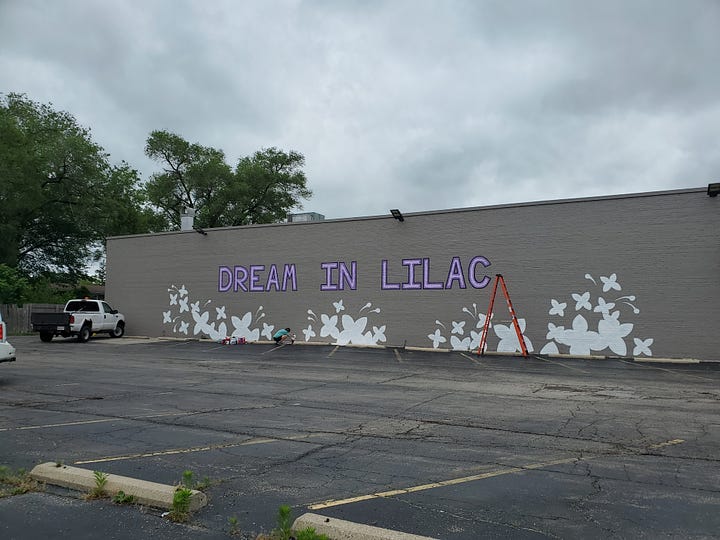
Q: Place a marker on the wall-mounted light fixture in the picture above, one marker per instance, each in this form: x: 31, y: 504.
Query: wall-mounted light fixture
x: 713, y: 189
x: 397, y: 214
x: 199, y: 230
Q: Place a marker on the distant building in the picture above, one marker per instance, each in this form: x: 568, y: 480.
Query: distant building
x: 305, y: 217
x: 621, y: 275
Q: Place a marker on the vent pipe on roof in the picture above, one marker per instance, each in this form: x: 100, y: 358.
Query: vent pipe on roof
x: 187, y: 218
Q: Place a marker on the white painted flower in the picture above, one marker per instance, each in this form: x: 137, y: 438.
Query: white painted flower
x: 603, y: 307
x: 184, y: 304
x: 555, y: 332
x: 220, y: 313
x: 183, y: 327
x: 201, y: 322
x: 642, y: 346
x: 550, y: 348
x: 309, y: 333
x: 195, y: 306
x: 329, y: 327
x: 436, y: 338
x: 508, y: 337
x: 183, y: 291
x: 339, y: 306
x: 167, y: 317
x: 458, y: 327
x: 221, y: 331
x: 267, y: 330
x: 579, y: 338
x: 557, y: 308
x: 352, y: 331
x: 611, y: 333
x: 173, y: 299
x: 458, y: 344
x: 475, y: 339
x: 481, y: 318
x: 582, y: 301
x: 610, y: 283
x: 379, y: 334
x: 242, y: 327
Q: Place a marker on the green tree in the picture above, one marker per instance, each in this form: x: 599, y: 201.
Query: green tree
x: 261, y: 189
x: 59, y: 195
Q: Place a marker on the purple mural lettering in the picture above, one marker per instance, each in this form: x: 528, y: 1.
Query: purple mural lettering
x: 250, y: 279
x: 385, y: 285
x: 427, y: 284
x: 272, y: 280
x: 411, y: 264
x: 329, y: 285
x: 348, y: 276
x: 255, y: 278
x: 289, y: 274
x: 455, y: 274
x: 471, y: 272
x: 241, y: 275
x: 224, y: 279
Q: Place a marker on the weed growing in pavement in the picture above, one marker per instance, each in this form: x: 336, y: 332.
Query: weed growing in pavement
x: 188, y: 481
x: 284, y: 529
x: 310, y: 534
x: 16, y: 483
x: 234, y: 526
x: 98, y: 491
x: 284, y: 522
x: 122, y: 498
x: 181, y: 505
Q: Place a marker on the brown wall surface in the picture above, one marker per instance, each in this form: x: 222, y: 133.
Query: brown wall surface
x: 633, y: 275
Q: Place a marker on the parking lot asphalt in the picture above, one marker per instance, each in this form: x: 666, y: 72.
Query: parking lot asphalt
x: 446, y: 445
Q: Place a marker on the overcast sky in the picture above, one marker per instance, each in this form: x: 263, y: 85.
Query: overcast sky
x: 417, y: 105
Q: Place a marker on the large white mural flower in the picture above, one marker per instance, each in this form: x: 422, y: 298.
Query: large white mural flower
x: 508, y: 337
x: 610, y: 333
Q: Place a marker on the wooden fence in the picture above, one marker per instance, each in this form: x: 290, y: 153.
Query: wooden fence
x: 17, y: 318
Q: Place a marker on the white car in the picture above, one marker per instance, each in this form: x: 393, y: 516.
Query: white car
x: 7, y: 351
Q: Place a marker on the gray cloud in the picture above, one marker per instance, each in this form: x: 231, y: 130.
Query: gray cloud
x: 421, y: 105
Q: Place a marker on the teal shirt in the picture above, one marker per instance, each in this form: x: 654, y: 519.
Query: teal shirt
x: 280, y: 333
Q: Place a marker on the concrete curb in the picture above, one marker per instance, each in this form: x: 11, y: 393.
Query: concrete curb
x: 339, y: 529
x: 148, y: 493
x: 559, y: 356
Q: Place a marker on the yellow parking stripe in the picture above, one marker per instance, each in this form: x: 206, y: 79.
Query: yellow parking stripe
x: 207, y: 448
x: 474, y: 477
x: 443, y: 483
x: 84, y: 422
x: 667, y: 443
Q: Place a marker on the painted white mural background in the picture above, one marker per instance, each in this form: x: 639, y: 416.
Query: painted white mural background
x: 578, y: 313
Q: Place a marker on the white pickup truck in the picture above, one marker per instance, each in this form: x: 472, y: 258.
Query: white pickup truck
x: 81, y: 318
x: 7, y: 351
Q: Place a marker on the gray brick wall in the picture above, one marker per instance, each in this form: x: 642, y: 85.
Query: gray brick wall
x: 643, y: 270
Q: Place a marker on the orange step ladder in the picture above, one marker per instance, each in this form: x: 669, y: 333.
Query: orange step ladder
x: 483, y: 338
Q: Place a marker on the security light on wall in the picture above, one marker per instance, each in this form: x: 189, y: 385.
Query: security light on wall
x: 713, y: 189
x: 397, y: 214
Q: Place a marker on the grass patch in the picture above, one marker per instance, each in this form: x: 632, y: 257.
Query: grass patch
x: 284, y: 530
x: 180, y: 512
x: 98, y: 491
x: 121, y: 498
x: 16, y: 482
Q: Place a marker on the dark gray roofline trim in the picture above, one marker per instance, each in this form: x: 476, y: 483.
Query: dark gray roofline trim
x: 438, y: 212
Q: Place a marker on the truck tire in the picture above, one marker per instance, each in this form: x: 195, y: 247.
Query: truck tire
x: 46, y: 336
x: 84, y: 334
x: 119, y: 331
